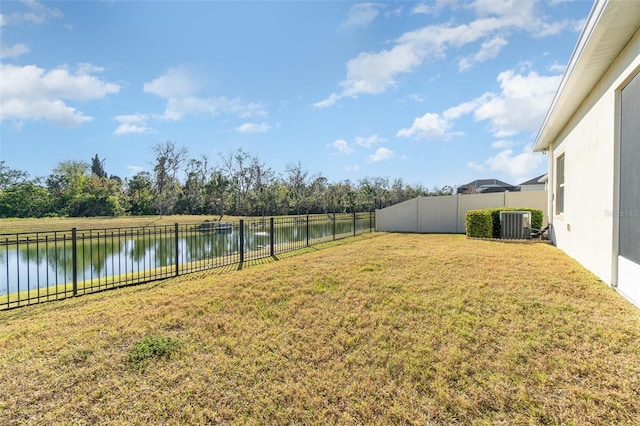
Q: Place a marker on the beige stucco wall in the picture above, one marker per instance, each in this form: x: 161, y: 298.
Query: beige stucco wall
x: 586, y: 230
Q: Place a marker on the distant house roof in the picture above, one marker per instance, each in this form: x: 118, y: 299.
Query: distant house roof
x: 538, y: 180
x: 483, y: 186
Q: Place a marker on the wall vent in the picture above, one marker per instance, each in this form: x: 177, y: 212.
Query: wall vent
x: 515, y: 225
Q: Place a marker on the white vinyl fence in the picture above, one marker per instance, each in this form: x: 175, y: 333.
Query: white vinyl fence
x: 446, y: 214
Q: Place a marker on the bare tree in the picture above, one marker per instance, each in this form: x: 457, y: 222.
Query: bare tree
x: 168, y: 162
x: 193, y: 198
x: 296, y: 179
x: 217, y: 190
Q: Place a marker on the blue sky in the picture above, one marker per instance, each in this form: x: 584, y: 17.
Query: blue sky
x: 436, y: 93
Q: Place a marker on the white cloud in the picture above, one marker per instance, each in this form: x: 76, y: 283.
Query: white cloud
x: 342, y: 146
x: 178, y: 108
x: 178, y: 82
x: 517, y: 166
x: 393, y: 12
x: 37, y: 14
x: 488, y: 50
x: 512, y: 10
x: 429, y: 126
x: 253, y: 128
x: 578, y: 26
x: 501, y: 144
x: 464, y: 108
x: 369, y: 141
x: 433, y: 7
x: 475, y: 166
x: 423, y: 9
x: 133, y: 124
x: 332, y: 99
x: 416, y: 98
x: 86, y: 68
x: 129, y: 128
x: 524, y: 15
x: 32, y: 82
x: 557, y: 68
x: 181, y: 88
x: 375, y: 72
x: 13, y: 51
x: 361, y: 15
x: 522, y: 104
x: 381, y: 154
x: 555, y: 28
x: 29, y: 92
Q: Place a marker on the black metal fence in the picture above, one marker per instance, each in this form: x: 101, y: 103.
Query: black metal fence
x: 44, y: 266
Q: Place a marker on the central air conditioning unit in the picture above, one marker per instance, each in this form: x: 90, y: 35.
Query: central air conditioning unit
x: 515, y: 225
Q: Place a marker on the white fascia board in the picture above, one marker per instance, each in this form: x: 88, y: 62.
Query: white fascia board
x: 557, y: 112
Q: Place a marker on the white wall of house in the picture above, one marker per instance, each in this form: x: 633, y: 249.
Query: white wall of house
x: 587, y: 230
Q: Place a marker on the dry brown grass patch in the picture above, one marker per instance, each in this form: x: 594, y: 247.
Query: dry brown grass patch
x: 387, y: 329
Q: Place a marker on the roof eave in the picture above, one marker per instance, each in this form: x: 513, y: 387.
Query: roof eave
x: 583, y: 72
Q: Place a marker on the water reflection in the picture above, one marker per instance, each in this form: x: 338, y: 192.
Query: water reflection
x: 100, y: 255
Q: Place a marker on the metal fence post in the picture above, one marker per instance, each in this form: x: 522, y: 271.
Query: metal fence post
x: 177, y: 248
x: 74, y: 260
x: 334, y: 226
x: 307, y: 230
x: 271, y: 238
x: 241, y: 240
x: 354, y: 223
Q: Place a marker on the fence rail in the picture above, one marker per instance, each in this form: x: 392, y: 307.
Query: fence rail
x: 44, y: 266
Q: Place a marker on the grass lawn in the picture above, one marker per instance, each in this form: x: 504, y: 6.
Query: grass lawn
x: 378, y: 329
x: 15, y: 225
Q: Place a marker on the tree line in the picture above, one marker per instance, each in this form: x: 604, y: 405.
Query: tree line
x: 239, y: 184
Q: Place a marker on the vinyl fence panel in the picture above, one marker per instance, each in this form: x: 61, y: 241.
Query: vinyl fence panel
x: 446, y: 214
x: 438, y: 214
x: 534, y: 199
x: 401, y: 217
x: 477, y: 201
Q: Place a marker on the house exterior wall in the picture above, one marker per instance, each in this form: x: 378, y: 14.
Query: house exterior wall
x: 587, y: 230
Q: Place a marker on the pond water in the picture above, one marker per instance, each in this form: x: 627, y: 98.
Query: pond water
x: 46, y: 263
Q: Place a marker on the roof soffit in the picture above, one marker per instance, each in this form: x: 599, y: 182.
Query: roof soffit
x: 609, y: 28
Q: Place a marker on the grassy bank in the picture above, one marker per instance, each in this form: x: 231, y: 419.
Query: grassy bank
x: 67, y: 223
x: 383, y: 329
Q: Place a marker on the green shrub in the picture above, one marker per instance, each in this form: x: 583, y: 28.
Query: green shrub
x: 479, y: 223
